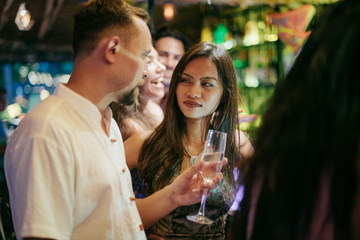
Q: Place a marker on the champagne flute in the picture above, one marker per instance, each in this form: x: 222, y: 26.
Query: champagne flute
x: 213, y: 155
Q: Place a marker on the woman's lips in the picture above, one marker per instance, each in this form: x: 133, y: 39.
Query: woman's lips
x: 191, y: 104
x: 158, y: 83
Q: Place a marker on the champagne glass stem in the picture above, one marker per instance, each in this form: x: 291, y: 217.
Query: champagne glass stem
x: 203, y: 201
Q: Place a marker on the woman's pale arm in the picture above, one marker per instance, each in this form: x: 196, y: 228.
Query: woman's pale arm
x: 246, y: 148
x: 132, y: 148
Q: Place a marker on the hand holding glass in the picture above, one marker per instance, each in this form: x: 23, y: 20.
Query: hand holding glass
x: 213, y: 155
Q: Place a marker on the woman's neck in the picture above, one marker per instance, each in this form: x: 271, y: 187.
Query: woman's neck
x: 144, y: 99
x: 197, y: 128
x: 195, y: 136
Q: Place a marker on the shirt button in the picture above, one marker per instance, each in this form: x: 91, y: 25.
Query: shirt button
x: 132, y: 198
x: 112, y: 140
x: 123, y: 170
x: 141, y: 227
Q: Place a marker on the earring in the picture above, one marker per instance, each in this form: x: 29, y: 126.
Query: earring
x: 215, y: 122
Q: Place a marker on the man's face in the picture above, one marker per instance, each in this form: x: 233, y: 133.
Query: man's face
x: 134, y: 53
x: 170, y: 51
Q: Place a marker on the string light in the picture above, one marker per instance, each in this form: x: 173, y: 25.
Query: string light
x: 23, y: 18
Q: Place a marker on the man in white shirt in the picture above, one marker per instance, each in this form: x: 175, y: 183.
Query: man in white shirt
x: 65, y: 163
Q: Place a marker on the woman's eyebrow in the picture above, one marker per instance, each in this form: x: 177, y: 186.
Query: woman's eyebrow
x: 188, y: 75
x: 203, y: 78
x: 207, y: 78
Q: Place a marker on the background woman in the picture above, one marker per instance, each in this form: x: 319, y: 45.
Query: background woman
x: 203, y: 95
x: 146, y: 113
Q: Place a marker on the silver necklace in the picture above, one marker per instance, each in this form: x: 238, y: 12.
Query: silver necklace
x: 193, y: 159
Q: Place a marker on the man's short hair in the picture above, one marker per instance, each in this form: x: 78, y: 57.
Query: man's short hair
x: 94, y: 18
x: 164, y: 31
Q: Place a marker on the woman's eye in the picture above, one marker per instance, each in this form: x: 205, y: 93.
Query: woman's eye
x: 207, y: 84
x: 184, y: 80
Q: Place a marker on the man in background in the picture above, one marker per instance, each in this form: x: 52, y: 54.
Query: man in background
x: 171, y: 46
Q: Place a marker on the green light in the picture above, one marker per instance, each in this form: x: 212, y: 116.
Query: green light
x: 238, y: 63
x: 220, y: 33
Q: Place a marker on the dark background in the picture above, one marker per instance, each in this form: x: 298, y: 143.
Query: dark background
x: 54, y: 44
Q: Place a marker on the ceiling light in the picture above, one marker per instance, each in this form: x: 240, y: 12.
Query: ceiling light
x: 23, y: 18
x: 169, y: 11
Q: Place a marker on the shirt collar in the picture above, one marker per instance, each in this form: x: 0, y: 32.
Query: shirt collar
x: 80, y: 103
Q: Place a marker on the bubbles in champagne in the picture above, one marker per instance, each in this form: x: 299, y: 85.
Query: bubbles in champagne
x: 212, y: 165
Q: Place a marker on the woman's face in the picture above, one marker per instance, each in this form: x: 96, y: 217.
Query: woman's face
x: 153, y: 88
x: 199, y: 89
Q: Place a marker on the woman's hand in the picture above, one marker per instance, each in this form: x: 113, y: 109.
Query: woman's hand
x: 188, y: 187
x: 245, y: 118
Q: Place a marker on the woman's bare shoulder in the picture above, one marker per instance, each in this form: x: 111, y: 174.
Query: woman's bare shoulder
x: 130, y: 127
x: 139, y: 137
x: 153, y: 113
x: 133, y: 146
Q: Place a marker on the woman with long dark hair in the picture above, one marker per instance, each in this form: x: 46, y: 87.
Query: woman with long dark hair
x: 203, y: 95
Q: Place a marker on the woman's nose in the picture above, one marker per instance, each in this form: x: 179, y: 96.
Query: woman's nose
x: 194, y: 91
x: 160, y: 67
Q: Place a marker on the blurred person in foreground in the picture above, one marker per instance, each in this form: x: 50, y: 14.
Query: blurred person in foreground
x: 304, y: 179
x: 65, y: 163
x: 203, y: 95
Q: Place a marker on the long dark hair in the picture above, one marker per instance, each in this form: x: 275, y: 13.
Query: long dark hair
x: 311, y: 130
x: 162, y: 153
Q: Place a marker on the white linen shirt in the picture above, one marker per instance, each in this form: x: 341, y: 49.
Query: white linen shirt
x: 67, y: 179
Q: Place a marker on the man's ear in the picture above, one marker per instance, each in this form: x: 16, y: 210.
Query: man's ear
x: 112, y: 47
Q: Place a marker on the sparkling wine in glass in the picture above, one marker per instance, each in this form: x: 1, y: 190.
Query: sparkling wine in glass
x: 213, y: 155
